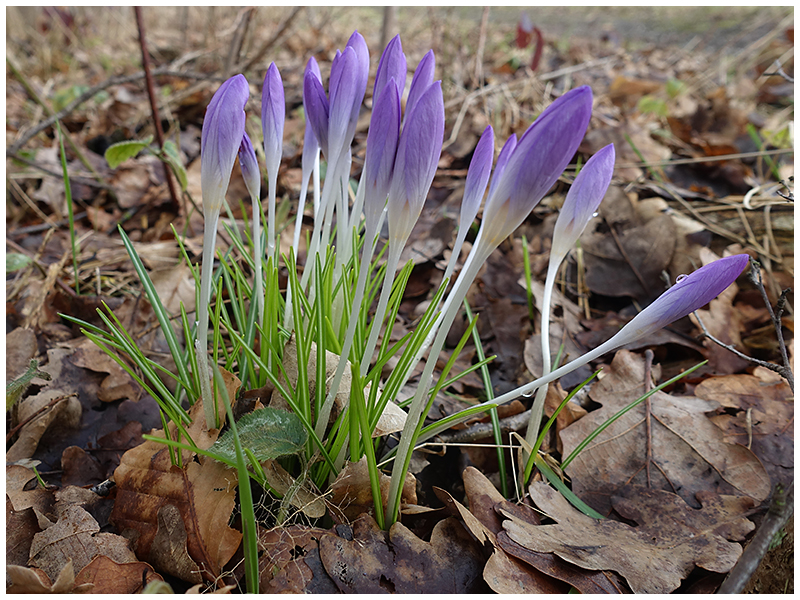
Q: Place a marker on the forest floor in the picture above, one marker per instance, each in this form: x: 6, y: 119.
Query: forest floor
x: 699, y: 105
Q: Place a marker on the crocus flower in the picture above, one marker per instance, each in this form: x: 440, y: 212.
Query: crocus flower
x: 273, y: 116
x: 421, y: 81
x: 384, y: 131
x: 392, y: 64
x: 502, y: 161
x: 418, y: 154
x: 223, y: 133
x: 480, y: 168
x: 317, y: 107
x: 249, y: 164
x: 583, y: 198
x: 223, y: 128
x: 536, y: 163
x: 686, y: 296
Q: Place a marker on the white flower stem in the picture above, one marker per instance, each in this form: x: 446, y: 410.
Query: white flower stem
x: 537, y: 409
x: 361, y: 284
x: 476, y: 258
x: 201, y: 343
x: 395, y: 249
x: 258, y: 286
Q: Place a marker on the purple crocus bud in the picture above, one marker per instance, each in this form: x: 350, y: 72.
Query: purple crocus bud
x: 249, y: 164
x: 223, y: 129
x: 582, y: 200
x: 418, y: 153
x: 480, y: 167
x: 689, y: 293
x: 273, y: 116
x: 343, y: 97
x: 315, y: 103
x: 422, y: 80
x: 392, y: 64
x: 384, y: 131
x: 536, y: 163
x: 502, y: 161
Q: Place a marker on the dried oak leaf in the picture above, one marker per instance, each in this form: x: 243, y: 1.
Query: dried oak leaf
x: 399, y: 562
x: 203, y: 493
x: 352, y: 493
x: 653, y: 558
x: 119, y: 385
x: 23, y: 489
x: 689, y: 452
x: 290, y: 562
x: 503, y: 573
x: 75, y: 536
x: 35, y: 581
x: 762, y: 419
x: 110, y: 577
x: 21, y: 526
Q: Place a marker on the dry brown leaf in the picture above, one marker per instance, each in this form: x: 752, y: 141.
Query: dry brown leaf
x: 35, y: 581
x: 503, y: 573
x: 175, y: 286
x: 119, y: 385
x: 66, y: 413
x: 24, y: 491
x: 289, y: 562
x: 21, y: 526
x: 169, y: 552
x: 20, y: 349
x: 352, y: 494
x: 672, y: 538
x: 724, y: 322
x: 204, y: 493
x: 649, y: 248
x: 689, y: 452
x: 763, y: 419
x: 304, y: 498
x: 75, y: 536
x: 110, y: 577
x: 399, y: 562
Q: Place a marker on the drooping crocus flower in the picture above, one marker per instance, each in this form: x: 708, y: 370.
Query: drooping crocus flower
x: 273, y: 116
x: 686, y: 296
x: 536, y: 163
x: 223, y: 131
x: 583, y: 198
x: 252, y: 179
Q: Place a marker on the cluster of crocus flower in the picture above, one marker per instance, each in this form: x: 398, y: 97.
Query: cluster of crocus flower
x: 401, y: 159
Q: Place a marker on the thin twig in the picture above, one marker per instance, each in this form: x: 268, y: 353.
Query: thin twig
x: 755, y: 277
x: 44, y: 408
x: 270, y: 42
x: 151, y: 94
x: 93, y: 91
x: 780, y: 509
x: 244, y: 18
x: 648, y: 385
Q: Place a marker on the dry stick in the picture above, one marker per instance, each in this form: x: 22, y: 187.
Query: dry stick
x: 44, y: 408
x: 784, y: 370
x: 237, y: 42
x: 389, y: 24
x: 94, y: 90
x: 648, y: 385
x: 270, y: 42
x: 48, y: 111
x: 151, y: 94
x: 780, y: 509
x: 481, y: 47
